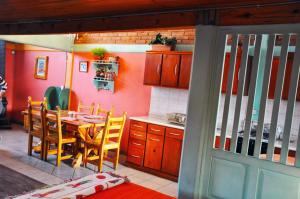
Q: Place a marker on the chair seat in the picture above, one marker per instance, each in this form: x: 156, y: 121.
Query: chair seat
x: 109, y: 145
x: 65, y: 138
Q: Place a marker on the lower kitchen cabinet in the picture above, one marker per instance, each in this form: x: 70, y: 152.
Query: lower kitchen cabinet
x: 172, y: 151
x: 154, y: 151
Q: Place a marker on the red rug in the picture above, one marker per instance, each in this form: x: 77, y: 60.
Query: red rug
x: 129, y: 191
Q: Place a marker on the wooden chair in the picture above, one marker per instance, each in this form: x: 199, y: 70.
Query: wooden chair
x: 35, y: 123
x: 25, y: 118
x: 55, y: 135
x: 105, y: 140
x: 101, y: 111
x: 86, y: 108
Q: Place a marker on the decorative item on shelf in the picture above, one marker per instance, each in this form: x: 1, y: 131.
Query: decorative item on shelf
x: 106, y: 71
x: 41, y: 68
x: 83, y: 66
x: 163, y: 43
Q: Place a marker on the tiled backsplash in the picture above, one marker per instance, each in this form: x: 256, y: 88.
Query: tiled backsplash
x: 168, y: 100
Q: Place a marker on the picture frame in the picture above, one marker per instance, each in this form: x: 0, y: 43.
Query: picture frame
x: 41, y: 67
x: 83, y: 66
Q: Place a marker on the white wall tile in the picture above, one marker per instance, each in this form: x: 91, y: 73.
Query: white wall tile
x: 168, y: 100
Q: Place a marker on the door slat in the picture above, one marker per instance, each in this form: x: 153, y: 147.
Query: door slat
x: 264, y: 94
x: 241, y: 83
x: 229, y: 90
x: 290, y: 104
x: 277, y: 96
x: 251, y: 94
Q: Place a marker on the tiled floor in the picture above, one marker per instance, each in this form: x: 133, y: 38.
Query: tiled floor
x: 13, y: 154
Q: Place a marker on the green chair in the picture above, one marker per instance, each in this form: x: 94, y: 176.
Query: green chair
x: 52, y: 95
x: 57, y: 97
x: 63, y: 99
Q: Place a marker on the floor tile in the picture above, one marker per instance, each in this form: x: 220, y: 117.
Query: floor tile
x: 13, y: 154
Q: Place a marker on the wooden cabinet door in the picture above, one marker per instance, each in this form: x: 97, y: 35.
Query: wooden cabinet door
x: 172, y: 151
x: 170, y: 70
x: 171, y: 156
x: 185, y: 71
x: 236, y: 73
x: 153, y: 69
x: 154, y: 150
x: 287, y: 77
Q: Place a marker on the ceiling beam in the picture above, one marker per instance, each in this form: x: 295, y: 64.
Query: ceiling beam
x: 276, y: 14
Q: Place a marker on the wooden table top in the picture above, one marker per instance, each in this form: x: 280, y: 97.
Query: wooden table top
x: 80, y: 119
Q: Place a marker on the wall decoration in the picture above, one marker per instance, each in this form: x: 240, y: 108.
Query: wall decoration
x: 83, y: 66
x: 41, y: 68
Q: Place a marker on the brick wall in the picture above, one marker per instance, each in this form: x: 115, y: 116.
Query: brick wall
x: 184, y: 36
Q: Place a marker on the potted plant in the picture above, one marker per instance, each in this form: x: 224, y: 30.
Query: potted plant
x: 160, y: 43
x: 99, y: 52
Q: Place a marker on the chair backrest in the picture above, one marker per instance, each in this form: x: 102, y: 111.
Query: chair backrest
x: 52, y: 94
x: 36, y: 111
x: 86, y: 108
x: 114, y: 127
x: 53, y: 123
x: 101, y: 111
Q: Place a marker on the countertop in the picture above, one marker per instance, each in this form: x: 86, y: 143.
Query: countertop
x: 156, y: 119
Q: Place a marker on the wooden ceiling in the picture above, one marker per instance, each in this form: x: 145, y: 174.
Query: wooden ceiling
x: 61, y: 16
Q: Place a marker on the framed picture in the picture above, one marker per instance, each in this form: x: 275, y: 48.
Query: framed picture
x: 41, y: 68
x: 83, y: 66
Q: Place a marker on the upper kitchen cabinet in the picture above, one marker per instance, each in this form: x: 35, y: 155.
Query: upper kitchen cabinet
x: 153, y: 69
x: 173, y: 71
x: 185, y: 71
x: 170, y: 70
x: 287, y: 77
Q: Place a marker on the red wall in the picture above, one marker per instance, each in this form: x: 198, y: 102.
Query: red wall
x: 20, y: 74
x: 130, y: 94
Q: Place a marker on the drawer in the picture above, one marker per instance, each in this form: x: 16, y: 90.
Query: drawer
x: 138, y: 134
x: 135, y: 155
x: 137, y: 143
x: 136, y: 125
x: 156, y: 129
x: 174, y: 133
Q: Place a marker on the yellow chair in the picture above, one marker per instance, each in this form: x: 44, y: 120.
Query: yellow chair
x: 35, y: 123
x: 55, y: 135
x: 86, y: 108
x: 106, y: 139
x: 101, y: 111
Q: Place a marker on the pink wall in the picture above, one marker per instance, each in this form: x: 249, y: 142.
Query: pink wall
x: 130, y: 94
x: 21, y: 76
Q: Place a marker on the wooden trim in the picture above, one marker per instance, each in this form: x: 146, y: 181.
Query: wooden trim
x: 71, y: 78
x: 27, y: 47
x: 170, y: 52
x: 36, y: 67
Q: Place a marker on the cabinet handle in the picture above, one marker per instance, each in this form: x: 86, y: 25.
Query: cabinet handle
x: 175, y: 70
x: 138, y: 126
x: 176, y: 134
x: 135, y: 156
x: 138, y: 135
x: 153, y: 139
x: 158, y: 69
x: 152, y: 129
x: 137, y: 144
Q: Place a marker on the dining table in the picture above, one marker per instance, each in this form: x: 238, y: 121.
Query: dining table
x: 72, y: 120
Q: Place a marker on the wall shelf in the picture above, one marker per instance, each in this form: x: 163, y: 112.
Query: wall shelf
x: 109, y: 70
